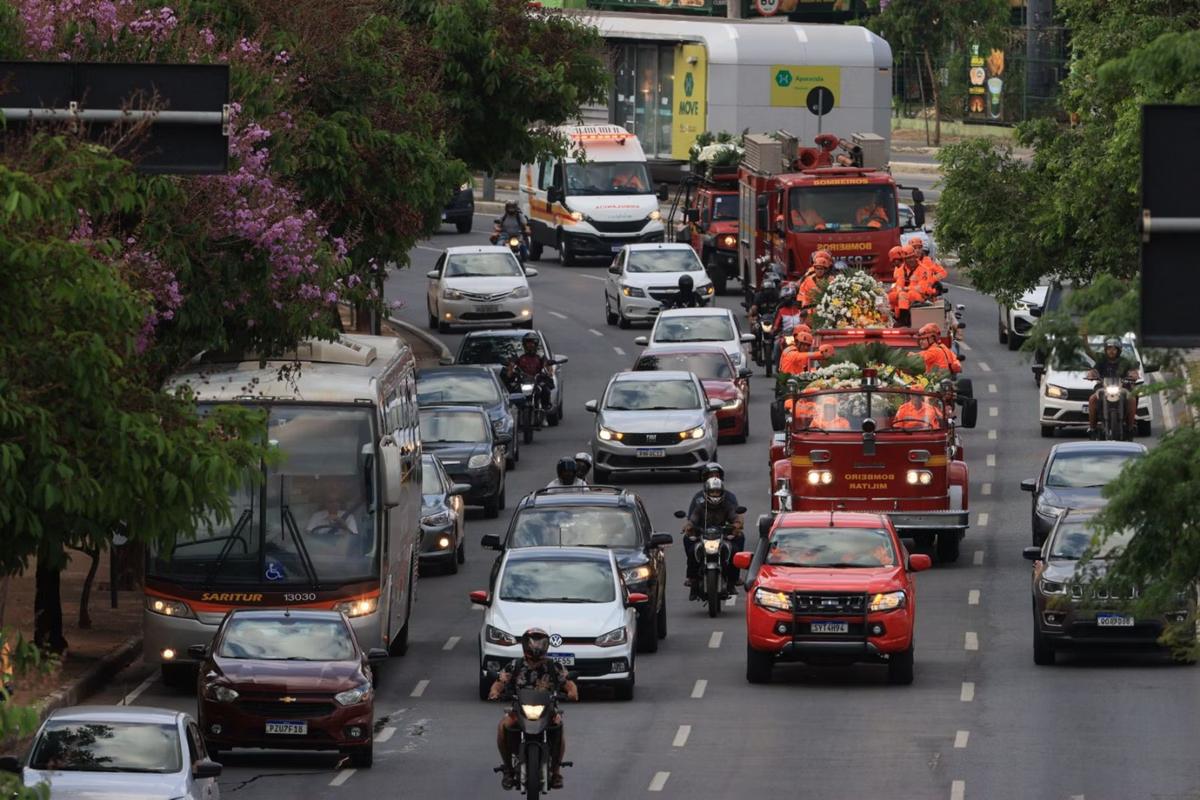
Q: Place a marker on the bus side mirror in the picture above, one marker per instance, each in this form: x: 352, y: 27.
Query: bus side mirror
x: 554, y: 195
x: 661, y: 194
x: 389, y: 461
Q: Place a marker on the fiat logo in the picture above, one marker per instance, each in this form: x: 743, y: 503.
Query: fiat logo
x: 555, y: 640
x: 651, y: 437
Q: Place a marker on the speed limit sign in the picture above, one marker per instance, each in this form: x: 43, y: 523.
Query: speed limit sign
x: 767, y: 8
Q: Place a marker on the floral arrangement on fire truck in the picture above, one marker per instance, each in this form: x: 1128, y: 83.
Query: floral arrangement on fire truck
x: 712, y: 151
x: 852, y: 299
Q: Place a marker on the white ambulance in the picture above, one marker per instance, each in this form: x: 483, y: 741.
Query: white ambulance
x: 592, y: 208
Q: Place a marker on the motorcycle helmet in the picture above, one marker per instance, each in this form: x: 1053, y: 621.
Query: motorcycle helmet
x: 529, y: 342
x: 714, y: 491
x: 510, y: 207
x: 567, y: 470
x: 685, y: 283
x: 535, y: 643
x: 712, y: 470
x: 583, y: 465
x: 1113, y: 342
x: 929, y: 332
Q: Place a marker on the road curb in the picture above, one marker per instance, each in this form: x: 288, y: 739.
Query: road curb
x: 916, y: 167
x: 424, y: 336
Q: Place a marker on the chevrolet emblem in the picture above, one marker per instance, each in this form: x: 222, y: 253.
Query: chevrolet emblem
x: 288, y: 699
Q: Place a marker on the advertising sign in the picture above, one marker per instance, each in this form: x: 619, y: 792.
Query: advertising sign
x: 793, y: 85
x: 691, y: 107
x: 770, y: 8
x: 985, y: 84
x: 658, y: 5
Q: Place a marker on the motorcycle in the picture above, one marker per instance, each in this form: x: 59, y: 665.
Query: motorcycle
x: 717, y: 553
x: 1114, y: 393
x: 514, y: 242
x: 535, y: 742
x: 531, y: 415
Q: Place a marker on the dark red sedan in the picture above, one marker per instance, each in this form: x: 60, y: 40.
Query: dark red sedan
x: 287, y: 679
x: 722, y: 381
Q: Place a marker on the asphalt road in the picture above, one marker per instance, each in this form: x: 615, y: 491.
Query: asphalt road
x: 980, y: 721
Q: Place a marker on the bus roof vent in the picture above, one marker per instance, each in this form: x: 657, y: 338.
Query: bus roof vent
x: 340, y: 351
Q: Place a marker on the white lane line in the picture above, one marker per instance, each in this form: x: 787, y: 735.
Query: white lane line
x: 979, y: 558
x: 965, y: 346
x: 681, y: 735
x: 993, y: 411
x: 991, y: 459
x: 591, y: 277
x: 971, y: 641
x: 385, y: 734
x: 968, y: 692
x: 964, y: 288
x: 128, y: 699
x: 984, y: 366
x: 714, y: 641
x: 419, y: 689
x: 960, y: 739
x: 1077, y: 797
x: 556, y: 314
x: 986, y: 488
x: 991, y: 386
x: 595, y: 332
x: 958, y: 790
x: 982, y: 519
x: 973, y: 597
x: 698, y: 689
x: 430, y: 249
x: 618, y: 351
x: 659, y: 781
x: 342, y: 776
x: 991, y: 434
x: 449, y: 645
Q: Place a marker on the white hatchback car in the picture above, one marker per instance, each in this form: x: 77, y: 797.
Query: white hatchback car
x: 1064, y: 390
x: 575, y: 594
x: 479, y: 286
x: 710, y: 325
x: 642, y: 276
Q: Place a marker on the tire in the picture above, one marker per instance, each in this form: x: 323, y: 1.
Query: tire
x: 1014, y: 342
x: 768, y: 367
x: 460, y: 554
x: 533, y: 773
x: 510, y: 462
x: 527, y: 430
x: 1143, y: 427
x: 443, y: 327
x: 662, y: 618
x: 503, y: 500
x: 180, y: 676
x: 1001, y: 333
x: 485, y: 685
x: 759, y: 665
x: 624, y: 689
x: 622, y: 322
x: 433, y: 323
x: 712, y: 589
x: 565, y: 256
x: 1043, y: 652
x: 535, y: 249
x: 719, y: 280
x: 900, y: 667
x: 526, y: 325
x: 948, y: 546
x: 776, y: 417
x: 1047, y: 431
x: 647, y: 633
x: 464, y: 226
x: 362, y: 757
x: 610, y: 317
x: 398, y: 646
x: 968, y: 387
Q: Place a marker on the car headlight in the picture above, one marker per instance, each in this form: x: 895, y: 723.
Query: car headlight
x: 694, y: 433
x: 358, y: 608
x: 820, y: 476
x: 712, y: 546
x: 219, y: 693
x: 637, y: 574
x: 1057, y: 392
x: 520, y: 291
x: 608, y: 434
x: 776, y: 601
x: 733, y: 405
x: 1047, y: 510
x: 577, y: 216
x: 611, y: 639
x: 1051, y: 587
x: 353, y: 696
x: 451, y: 294
x: 479, y: 461
x: 654, y: 216
x: 502, y: 424
x: 919, y: 476
x: 710, y: 289
x: 465, y: 186
x: 632, y: 291
x: 168, y: 608
x: 888, y: 601
x: 1021, y: 308
x: 532, y: 712
x: 436, y: 519
x: 728, y: 240
x: 497, y: 636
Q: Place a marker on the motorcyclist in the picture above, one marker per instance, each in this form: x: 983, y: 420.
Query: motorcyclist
x: 532, y: 671
x: 717, y: 509
x: 766, y: 298
x: 788, y: 316
x: 1113, y: 364
x: 712, y: 469
x: 583, y: 465
x: 512, y: 223
x: 531, y: 365
x: 686, y: 297
x: 936, y: 355
x: 568, y: 474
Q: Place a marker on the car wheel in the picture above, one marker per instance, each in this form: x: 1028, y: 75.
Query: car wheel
x: 485, y: 685
x: 535, y: 250
x: 719, y: 280
x: 948, y: 546
x: 610, y: 317
x: 1001, y: 333
x: 460, y: 554
x: 1014, y: 341
x: 623, y: 322
x: 647, y: 633
x: 566, y: 257
x: 1047, y: 431
x: 443, y: 327
x: 452, y: 565
x: 777, y: 416
x: 759, y: 665
x: 1043, y: 652
x: 624, y: 689
x: 464, y: 225
x: 510, y: 462
x: 662, y: 617
x: 180, y: 676
x: 362, y: 757
x: 900, y: 667
x: 1143, y: 427
x: 433, y: 323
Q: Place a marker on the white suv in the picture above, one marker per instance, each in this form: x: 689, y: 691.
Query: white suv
x: 479, y: 286
x: 642, y: 276
x: 1016, y: 321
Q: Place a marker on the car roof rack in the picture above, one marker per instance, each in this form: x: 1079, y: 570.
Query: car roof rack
x: 618, y: 491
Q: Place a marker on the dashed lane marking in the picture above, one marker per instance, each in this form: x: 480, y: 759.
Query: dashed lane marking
x: 971, y: 641
x: 991, y: 434
x: 993, y: 411
x: 557, y: 314
x: 991, y: 459
x: 128, y: 699
x: 659, y: 781
x: 342, y: 776
x: 968, y: 692
x: 698, y: 689
x: 983, y: 365
x: 958, y: 790
x: 979, y: 558
x: 590, y: 277
x: 419, y: 689
x: 595, y: 332
x: 476, y: 607
x: 992, y: 388
x: 960, y: 739
x: 385, y: 734
x: 618, y: 351
x: 986, y: 488
x: 973, y: 597
x: 714, y: 641
x: 731, y: 601
x: 965, y: 346
x: 449, y: 645
x: 982, y: 519
x: 681, y: 735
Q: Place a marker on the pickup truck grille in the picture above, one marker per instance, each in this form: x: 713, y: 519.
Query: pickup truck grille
x: 829, y: 603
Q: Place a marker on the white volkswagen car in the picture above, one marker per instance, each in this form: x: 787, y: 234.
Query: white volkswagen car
x: 1064, y: 389
x: 642, y: 276
x: 576, y: 595
x: 479, y: 286
x: 692, y: 325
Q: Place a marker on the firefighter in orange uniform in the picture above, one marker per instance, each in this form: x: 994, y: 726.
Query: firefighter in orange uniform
x: 874, y: 214
x: 936, y: 355
x: 828, y: 418
x: 917, y: 414
x: 906, y: 287
x: 822, y: 264
x: 931, y: 270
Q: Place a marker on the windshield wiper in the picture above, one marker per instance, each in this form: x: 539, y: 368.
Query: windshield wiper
x: 289, y: 523
x: 234, y: 535
x: 547, y: 600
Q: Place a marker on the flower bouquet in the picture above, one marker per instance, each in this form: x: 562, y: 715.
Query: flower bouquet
x: 714, y: 150
x: 850, y: 300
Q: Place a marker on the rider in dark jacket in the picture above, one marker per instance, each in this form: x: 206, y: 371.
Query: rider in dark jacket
x: 718, y: 508
x: 686, y: 297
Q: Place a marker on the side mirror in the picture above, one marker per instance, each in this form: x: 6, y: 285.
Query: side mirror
x: 1148, y: 368
x: 661, y: 194
x: 198, y: 651
x: 479, y: 597
x: 680, y: 515
x: 1032, y: 553
x: 490, y: 541
x: 661, y: 539
x: 554, y: 195
x: 389, y: 460
x: 747, y: 338
x: 765, y: 521
x: 433, y: 274
x: 459, y: 489
x: 615, y: 269
x: 377, y: 654
x: 970, y: 413
x: 1029, y: 485
x: 919, y: 562
x: 10, y: 764
x: 692, y: 215
x: 745, y: 374
x: 637, y: 599
x: 740, y: 510
x: 641, y: 341
x: 742, y: 560
x: 206, y: 768
x: 715, y: 405
x: 531, y: 272
x: 591, y: 406
x: 918, y: 210
x: 560, y: 359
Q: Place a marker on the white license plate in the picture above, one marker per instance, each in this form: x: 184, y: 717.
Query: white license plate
x: 616, y: 248
x: 486, y: 309
x: 1114, y: 621
x: 651, y: 452
x: 566, y: 659
x: 829, y: 627
x: 288, y: 728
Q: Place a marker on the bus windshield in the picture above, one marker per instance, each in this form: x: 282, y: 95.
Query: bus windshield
x: 306, y: 519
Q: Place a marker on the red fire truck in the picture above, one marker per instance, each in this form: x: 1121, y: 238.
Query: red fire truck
x: 837, y: 196
x: 871, y: 447
x: 705, y: 214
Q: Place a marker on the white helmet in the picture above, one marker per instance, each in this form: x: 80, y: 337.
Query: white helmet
x: 714, y: 491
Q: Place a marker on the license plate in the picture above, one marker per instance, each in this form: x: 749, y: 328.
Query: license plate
x: 829, y: 627
x: 616, y: 248
x: 566, y: 659
x: 651, y: 452
x: 1114, y: 621
x: 287, y: 727
x: 486, y: 309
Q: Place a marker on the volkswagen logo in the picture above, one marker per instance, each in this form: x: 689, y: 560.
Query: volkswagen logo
x: 555, y: 640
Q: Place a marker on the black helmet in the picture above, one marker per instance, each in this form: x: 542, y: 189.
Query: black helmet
x: 567, y: 470
x: 685, y: 283
x: 714, y: 491
x: 583, y: 464
x: 530, y: 338
x: 712, y: 470
x: 510, y: 207
x: 535, y: 643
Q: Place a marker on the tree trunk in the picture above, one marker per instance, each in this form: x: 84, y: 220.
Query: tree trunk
x: 47, y: 602
x: 937, y: 101
x: 924, y: 107
x: 85, y: 619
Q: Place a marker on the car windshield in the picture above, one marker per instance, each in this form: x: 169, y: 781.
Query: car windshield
x: 453, y: 426
x: 710, y: 328
x: 472, y: 388
x: 482, y: 265
x: 574, y: 527
x: 846, y: 411
x: 287, y: 639
x: 842, y: 208
x: 108, y: 747
x: 608, y: 177
x: 663, y: 261
x: 725, y: 206
x: 706, y: 366
x: 1072, y: 540
x: 308, y: 519
x: 430, y: 482
x: 490, y: 349
x: 1086, y: 470
x: 648, y: 395
x: 831, y: 547
x: 558, y: 581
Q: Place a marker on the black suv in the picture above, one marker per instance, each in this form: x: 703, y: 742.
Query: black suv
x: 598, y: 516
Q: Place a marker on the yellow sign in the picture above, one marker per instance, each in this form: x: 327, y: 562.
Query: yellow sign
x: 690, y: 97
x: 792, y: 85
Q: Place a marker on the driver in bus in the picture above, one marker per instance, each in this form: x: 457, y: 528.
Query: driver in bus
x: 332, y: 518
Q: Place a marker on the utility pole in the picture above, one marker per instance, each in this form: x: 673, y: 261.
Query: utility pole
x: 733, y: 9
